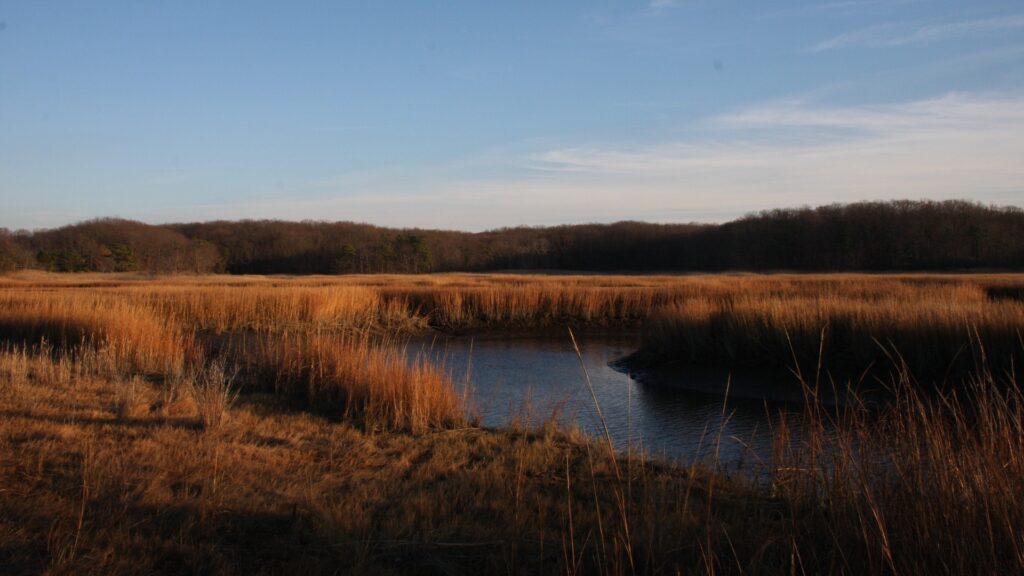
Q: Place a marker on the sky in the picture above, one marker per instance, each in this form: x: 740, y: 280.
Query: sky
x: 476, y: 115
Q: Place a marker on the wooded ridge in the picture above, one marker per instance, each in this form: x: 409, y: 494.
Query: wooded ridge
x: 871, y: 236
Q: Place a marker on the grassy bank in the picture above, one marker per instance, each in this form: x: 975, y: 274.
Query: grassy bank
x: 935, y: 324
x: 269, y: 425
x: 933, y: 327
x: 115, y: 476
x: 124, y: 475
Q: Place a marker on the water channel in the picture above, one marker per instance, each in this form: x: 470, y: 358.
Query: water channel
x: 673, y: 414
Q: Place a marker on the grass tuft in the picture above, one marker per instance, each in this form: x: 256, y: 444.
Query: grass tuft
x: 214, y: 392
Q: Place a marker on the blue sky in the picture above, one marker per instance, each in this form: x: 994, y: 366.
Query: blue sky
x: 475, y: 115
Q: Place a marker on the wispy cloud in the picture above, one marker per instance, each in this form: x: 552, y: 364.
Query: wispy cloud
x: 772, y: 155
x: 899, y: 34
x: 950, y: 112
x: 788, y: 153
x: 776, y: 154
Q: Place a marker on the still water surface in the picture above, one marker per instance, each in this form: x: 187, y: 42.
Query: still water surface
x: 674, y: 415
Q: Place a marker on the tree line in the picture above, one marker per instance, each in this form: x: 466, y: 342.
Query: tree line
x: 870, y: 236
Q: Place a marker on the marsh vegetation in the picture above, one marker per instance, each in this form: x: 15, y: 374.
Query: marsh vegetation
x: 273, y: 425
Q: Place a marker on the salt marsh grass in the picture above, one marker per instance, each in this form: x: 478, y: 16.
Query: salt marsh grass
x: 129, y: 444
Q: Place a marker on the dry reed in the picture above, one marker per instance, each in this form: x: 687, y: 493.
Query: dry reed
x: 371, y: 383
x: 129, y: 336
x: 928, y: 483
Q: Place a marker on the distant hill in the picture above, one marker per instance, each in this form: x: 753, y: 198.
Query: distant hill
x: 870, y: 236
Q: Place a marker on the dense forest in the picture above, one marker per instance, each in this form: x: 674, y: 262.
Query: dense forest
x: 896, y: 235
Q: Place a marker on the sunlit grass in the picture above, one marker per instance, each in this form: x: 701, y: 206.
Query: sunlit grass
x: 277, y: 425
x: 375, y: 384
x: 127, y: 335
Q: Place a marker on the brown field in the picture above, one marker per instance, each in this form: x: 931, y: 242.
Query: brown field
x: 935, y: 324
x: 274, y: 425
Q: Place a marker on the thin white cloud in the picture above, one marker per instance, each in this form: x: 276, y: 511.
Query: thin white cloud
x: 947, y: 112
x: 789, y: 153
x: 892, y: 34
x: 779, y: 154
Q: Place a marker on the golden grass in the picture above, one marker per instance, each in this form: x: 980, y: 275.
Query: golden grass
x: 372, y: 383
x: 123, y: 448
x: 276, y: 309
x: 126, y: 335
x: 933, y: 326
x: 927, y: 485
x: 276, y: 491
x: 920, y: 487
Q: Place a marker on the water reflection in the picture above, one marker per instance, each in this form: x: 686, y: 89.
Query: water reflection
x: 673, y: 414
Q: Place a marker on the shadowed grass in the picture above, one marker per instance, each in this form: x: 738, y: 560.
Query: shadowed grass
x: 124, y: 335
x: 746, y: 319
x: 372, y: 383
x: 108, y: 464
x: 934, y: 331
x: 925, y: 486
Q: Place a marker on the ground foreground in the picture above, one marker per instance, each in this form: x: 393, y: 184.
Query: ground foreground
x: 275, y: 491
x: 268, y: 426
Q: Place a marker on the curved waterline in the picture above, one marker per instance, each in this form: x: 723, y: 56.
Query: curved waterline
x: 679, y: 414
